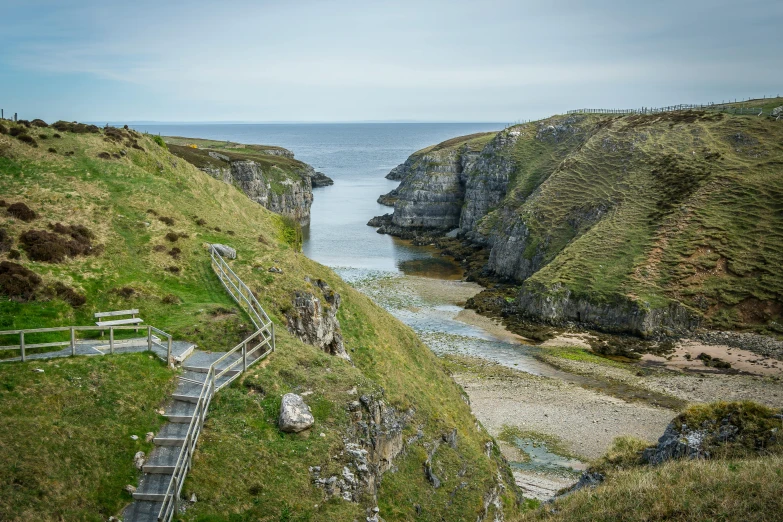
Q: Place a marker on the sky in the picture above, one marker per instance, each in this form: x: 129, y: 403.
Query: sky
x: 344, y: 60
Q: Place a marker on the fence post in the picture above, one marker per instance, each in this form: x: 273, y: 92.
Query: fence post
x: 273, y: 336
x: 149, y: 338
x: 168, y: 357
x: 111, y: 339
x: 244, y: 357
x: 21, y: 345
x: 73, y: 341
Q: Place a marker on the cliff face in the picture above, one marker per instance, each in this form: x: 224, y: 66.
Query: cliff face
x: 626, y: 223
x: 269, y: 176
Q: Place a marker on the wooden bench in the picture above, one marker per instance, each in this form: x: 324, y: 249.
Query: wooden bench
x: 117, y: 322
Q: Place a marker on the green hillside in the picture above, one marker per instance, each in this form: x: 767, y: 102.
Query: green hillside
x: 676, y: 207
x: 119, y: 222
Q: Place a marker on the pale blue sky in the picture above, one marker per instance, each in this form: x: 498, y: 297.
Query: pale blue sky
x: 302, y: 60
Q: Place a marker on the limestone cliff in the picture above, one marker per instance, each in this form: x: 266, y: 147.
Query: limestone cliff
x: 270, y: 176
x: 625, y: 223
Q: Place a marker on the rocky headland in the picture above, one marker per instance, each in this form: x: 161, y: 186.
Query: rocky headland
x: 618, y: 223
x: 268, y: 175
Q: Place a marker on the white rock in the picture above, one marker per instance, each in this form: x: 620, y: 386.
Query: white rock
x: 134, y: 437
x: 295, y: 415
x: 130, y: 489
x: 38, y: 370
x: 149, y: 436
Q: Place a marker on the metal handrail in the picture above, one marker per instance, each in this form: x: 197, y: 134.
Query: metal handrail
x: 264, y: 326
x: 22, y: 346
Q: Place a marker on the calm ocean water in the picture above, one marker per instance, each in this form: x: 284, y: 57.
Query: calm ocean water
x: 357, y: 156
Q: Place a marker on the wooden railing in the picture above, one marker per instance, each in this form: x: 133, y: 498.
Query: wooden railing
x: 23, y: 345
x: 220, y: 374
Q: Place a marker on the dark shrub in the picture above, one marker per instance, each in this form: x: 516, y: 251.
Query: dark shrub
x: 14, y: 254
x: 26, y: 123
x: 43, y: 136
x: 104, y: 155
x: 3, y: 203
x: 69, y: 153
x: 169, y: 221
x: 125, y: 292
x: 173, y: 269
x: 39, y: 123
x: 152, y: 211
x: 175, y: 252
x: 159, y: 248
x: 52, y: 150
x: 17, y: 131
x: 80, y: 233
x: 26, y: 138
x: 230, y: 232
x: 172, y: 236
x: 217, y: 229
x: 115, y: 155
x: 53, y: 248
x: 171, y: 299
x: 201, y: 222
x: 55, y: 135
x: 22, y: 211
x: 93, y: 129
x: 69, y: 295
x: 5, y: 241
x: 17, y: 281
x: 3, y: 129
x: 137, y: 146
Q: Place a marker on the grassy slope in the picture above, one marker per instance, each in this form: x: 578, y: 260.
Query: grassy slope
x: 65, y: 446
x: 693, y: 491
x: 656, y: 208
x: 111, y: 197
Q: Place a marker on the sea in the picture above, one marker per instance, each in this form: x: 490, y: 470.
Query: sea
x: 356, y: 156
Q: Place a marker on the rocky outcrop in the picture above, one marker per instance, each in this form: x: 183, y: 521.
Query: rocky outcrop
x: 295, y: 415
x: 373, y: 441
x: 777, y: 113
x: 558, y: 305
x: 313, y: 319
x: 319, y: 179
x: 739, y: 428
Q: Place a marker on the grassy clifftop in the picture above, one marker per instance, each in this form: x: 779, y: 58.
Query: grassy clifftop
x: 134, y: 222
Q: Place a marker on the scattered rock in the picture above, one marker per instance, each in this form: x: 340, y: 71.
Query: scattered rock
x: 275, y: 270
x: 777, y: 112
x: 134, y: 437
x: 138, y: 459
x: 130, y: 489
x: 295, y: 415
x: 38, y: 370
x: 193, y: 498
x: 149, y: 436
x: 319, y: 179
x: 225, y: 251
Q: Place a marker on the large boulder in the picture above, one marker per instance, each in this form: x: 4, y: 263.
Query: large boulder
x: 777, y: 112
x: 295, y: 415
